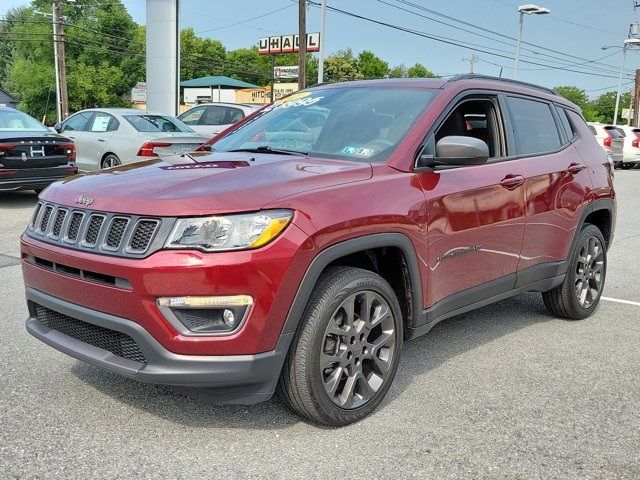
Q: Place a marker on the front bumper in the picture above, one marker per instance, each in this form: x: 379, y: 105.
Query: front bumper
x: 223, y: 378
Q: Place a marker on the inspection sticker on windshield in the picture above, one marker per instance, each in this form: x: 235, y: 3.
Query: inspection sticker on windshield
x: 360, y: 152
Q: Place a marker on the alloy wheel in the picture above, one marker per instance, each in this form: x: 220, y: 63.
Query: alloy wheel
x: 589, y: 272
x: 111, y: 161
x: 358, y: 349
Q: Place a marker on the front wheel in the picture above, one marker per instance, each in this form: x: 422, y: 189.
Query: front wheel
x: 345, y: 354
x: 578, y: 296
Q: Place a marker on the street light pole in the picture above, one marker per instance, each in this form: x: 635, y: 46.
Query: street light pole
x: 515, y: 69
x: 323, y: 16
x: 529, y: 9
x: 624, y: 55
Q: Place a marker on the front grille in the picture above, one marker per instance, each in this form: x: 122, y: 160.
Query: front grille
x: 61, y: 214
x: 44, y: 223
x: 93, y: 230
x: 116, y: 232
x: 142, y: 235
x: 118, y: 343
x: 99, y: 232
x: 74, y: 226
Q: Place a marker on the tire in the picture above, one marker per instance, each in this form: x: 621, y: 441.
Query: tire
x: 110, y: 160
x: 616, y: 165
x: 328, y: 350
x: 566, y: 300
x: 625, y: 165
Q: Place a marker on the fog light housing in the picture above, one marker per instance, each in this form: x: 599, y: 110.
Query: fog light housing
x: 205, y: 316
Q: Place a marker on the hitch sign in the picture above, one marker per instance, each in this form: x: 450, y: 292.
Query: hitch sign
x: 287, y: 44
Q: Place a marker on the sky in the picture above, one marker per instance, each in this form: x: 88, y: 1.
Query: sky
x: 578, y: 28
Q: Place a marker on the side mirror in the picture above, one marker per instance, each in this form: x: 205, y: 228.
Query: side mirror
x: 457, y: 150
x: 57, y: 127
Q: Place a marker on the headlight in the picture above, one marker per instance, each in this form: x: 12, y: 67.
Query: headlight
x: 229, y: 232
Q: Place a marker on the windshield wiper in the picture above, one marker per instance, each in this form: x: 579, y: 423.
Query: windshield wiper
x: 268, y: 149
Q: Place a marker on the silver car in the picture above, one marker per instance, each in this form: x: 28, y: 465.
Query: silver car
x: 107, y: 137
x: 209, y: 119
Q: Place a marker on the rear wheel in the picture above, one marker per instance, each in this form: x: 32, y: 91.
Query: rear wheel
x: 345, y: 354
x: 625, y: 165
x: 110, y: 160
x: 578, y: 296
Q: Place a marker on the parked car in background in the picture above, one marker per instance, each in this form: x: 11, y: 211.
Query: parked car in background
x: 631, y: 149
x: 209, y: 119
x: 31, y: 156
x: 610, y: 139
x: 107, y: 137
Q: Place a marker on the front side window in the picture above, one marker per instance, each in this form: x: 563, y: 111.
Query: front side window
x: 77, y: 122
x: 477, y: 118
x: 16, y: 120
x: 157, y: 123
x: 356, y: 123
x: 534, y: 125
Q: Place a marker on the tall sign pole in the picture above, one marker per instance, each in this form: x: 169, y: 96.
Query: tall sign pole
x: 302, y: 41
x: 323, y: 17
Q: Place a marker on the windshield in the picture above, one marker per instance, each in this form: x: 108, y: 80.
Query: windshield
x: 360, y: 123
x: 16, y: 120
x: 156, y: 123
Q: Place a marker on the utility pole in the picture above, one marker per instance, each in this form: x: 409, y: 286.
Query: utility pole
x: 62, y: 99
x: 302, y: 41
x: 636, y: 99
x: 472, y: 62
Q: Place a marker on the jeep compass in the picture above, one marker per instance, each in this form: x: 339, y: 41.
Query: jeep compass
x: 298, y: 250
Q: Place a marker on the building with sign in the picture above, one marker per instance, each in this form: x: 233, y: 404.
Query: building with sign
x: 212, y: 89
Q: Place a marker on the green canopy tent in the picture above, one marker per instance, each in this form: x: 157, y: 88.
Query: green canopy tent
x: 219, y: 81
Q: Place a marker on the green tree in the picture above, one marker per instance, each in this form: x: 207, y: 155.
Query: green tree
x: 342, y: 66
x: 420, y: 71
x: 399, y: 71
x: 604, y: 106
x: 372, y: 66
x: 201, y: 57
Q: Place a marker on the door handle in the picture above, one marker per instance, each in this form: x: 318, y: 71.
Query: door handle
x: 576, y: 167
x: 101, y: 140
x: 512, y: 181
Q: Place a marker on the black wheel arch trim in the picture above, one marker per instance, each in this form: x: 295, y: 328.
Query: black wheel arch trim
x: 347, y: 247
x: 594, y: 206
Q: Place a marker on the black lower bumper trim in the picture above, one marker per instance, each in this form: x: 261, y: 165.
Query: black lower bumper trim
x: 224, y: 378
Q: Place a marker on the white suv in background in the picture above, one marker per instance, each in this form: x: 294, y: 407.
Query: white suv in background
x: 610, y: 139
x: 631, y: 150
x: 209, y: 119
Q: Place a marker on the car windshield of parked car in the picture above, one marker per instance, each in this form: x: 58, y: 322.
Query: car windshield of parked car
x: 356, y: 123
x: 15, y: 120
x: 157, y: 123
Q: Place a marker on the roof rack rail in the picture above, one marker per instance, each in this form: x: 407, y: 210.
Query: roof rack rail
x: 468, y: 76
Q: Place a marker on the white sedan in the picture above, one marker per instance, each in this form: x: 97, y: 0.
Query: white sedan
x: 209, y: 119
x: 107, y: 137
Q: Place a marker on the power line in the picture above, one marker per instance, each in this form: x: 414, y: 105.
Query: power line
x: 246, y: 20
x: 451, y: 41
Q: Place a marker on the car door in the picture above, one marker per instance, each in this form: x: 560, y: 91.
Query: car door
x: 100, y: 129
x: 557, y: 184
x: 75, y: 127
x: 475, y: 214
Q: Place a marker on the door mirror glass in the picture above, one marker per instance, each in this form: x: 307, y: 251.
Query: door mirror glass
x: 458, y: 150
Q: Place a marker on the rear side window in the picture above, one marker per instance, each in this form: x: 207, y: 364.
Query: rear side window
x: 566, y: 125
x: 534, y: 125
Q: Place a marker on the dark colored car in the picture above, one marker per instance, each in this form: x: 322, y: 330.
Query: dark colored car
x: 31, y: 155
x: 320, y: 233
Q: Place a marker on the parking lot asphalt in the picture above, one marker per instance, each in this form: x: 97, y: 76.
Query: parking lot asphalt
x: 506, y: 391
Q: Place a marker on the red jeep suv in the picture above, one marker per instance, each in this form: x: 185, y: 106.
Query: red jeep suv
x: 301, y: 247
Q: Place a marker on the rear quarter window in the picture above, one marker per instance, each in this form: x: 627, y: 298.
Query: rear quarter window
x: 535, y: 128
x: 566, y: 124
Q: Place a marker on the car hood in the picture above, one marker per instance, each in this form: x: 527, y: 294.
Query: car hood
x: 202, y: 183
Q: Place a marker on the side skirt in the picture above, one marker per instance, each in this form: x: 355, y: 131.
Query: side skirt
x: 538, y: 278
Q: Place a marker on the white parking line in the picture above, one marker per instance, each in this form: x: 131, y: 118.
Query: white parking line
x: 617, y: 300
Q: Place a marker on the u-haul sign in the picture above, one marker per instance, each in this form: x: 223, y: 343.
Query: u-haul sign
x: 287, y: 44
